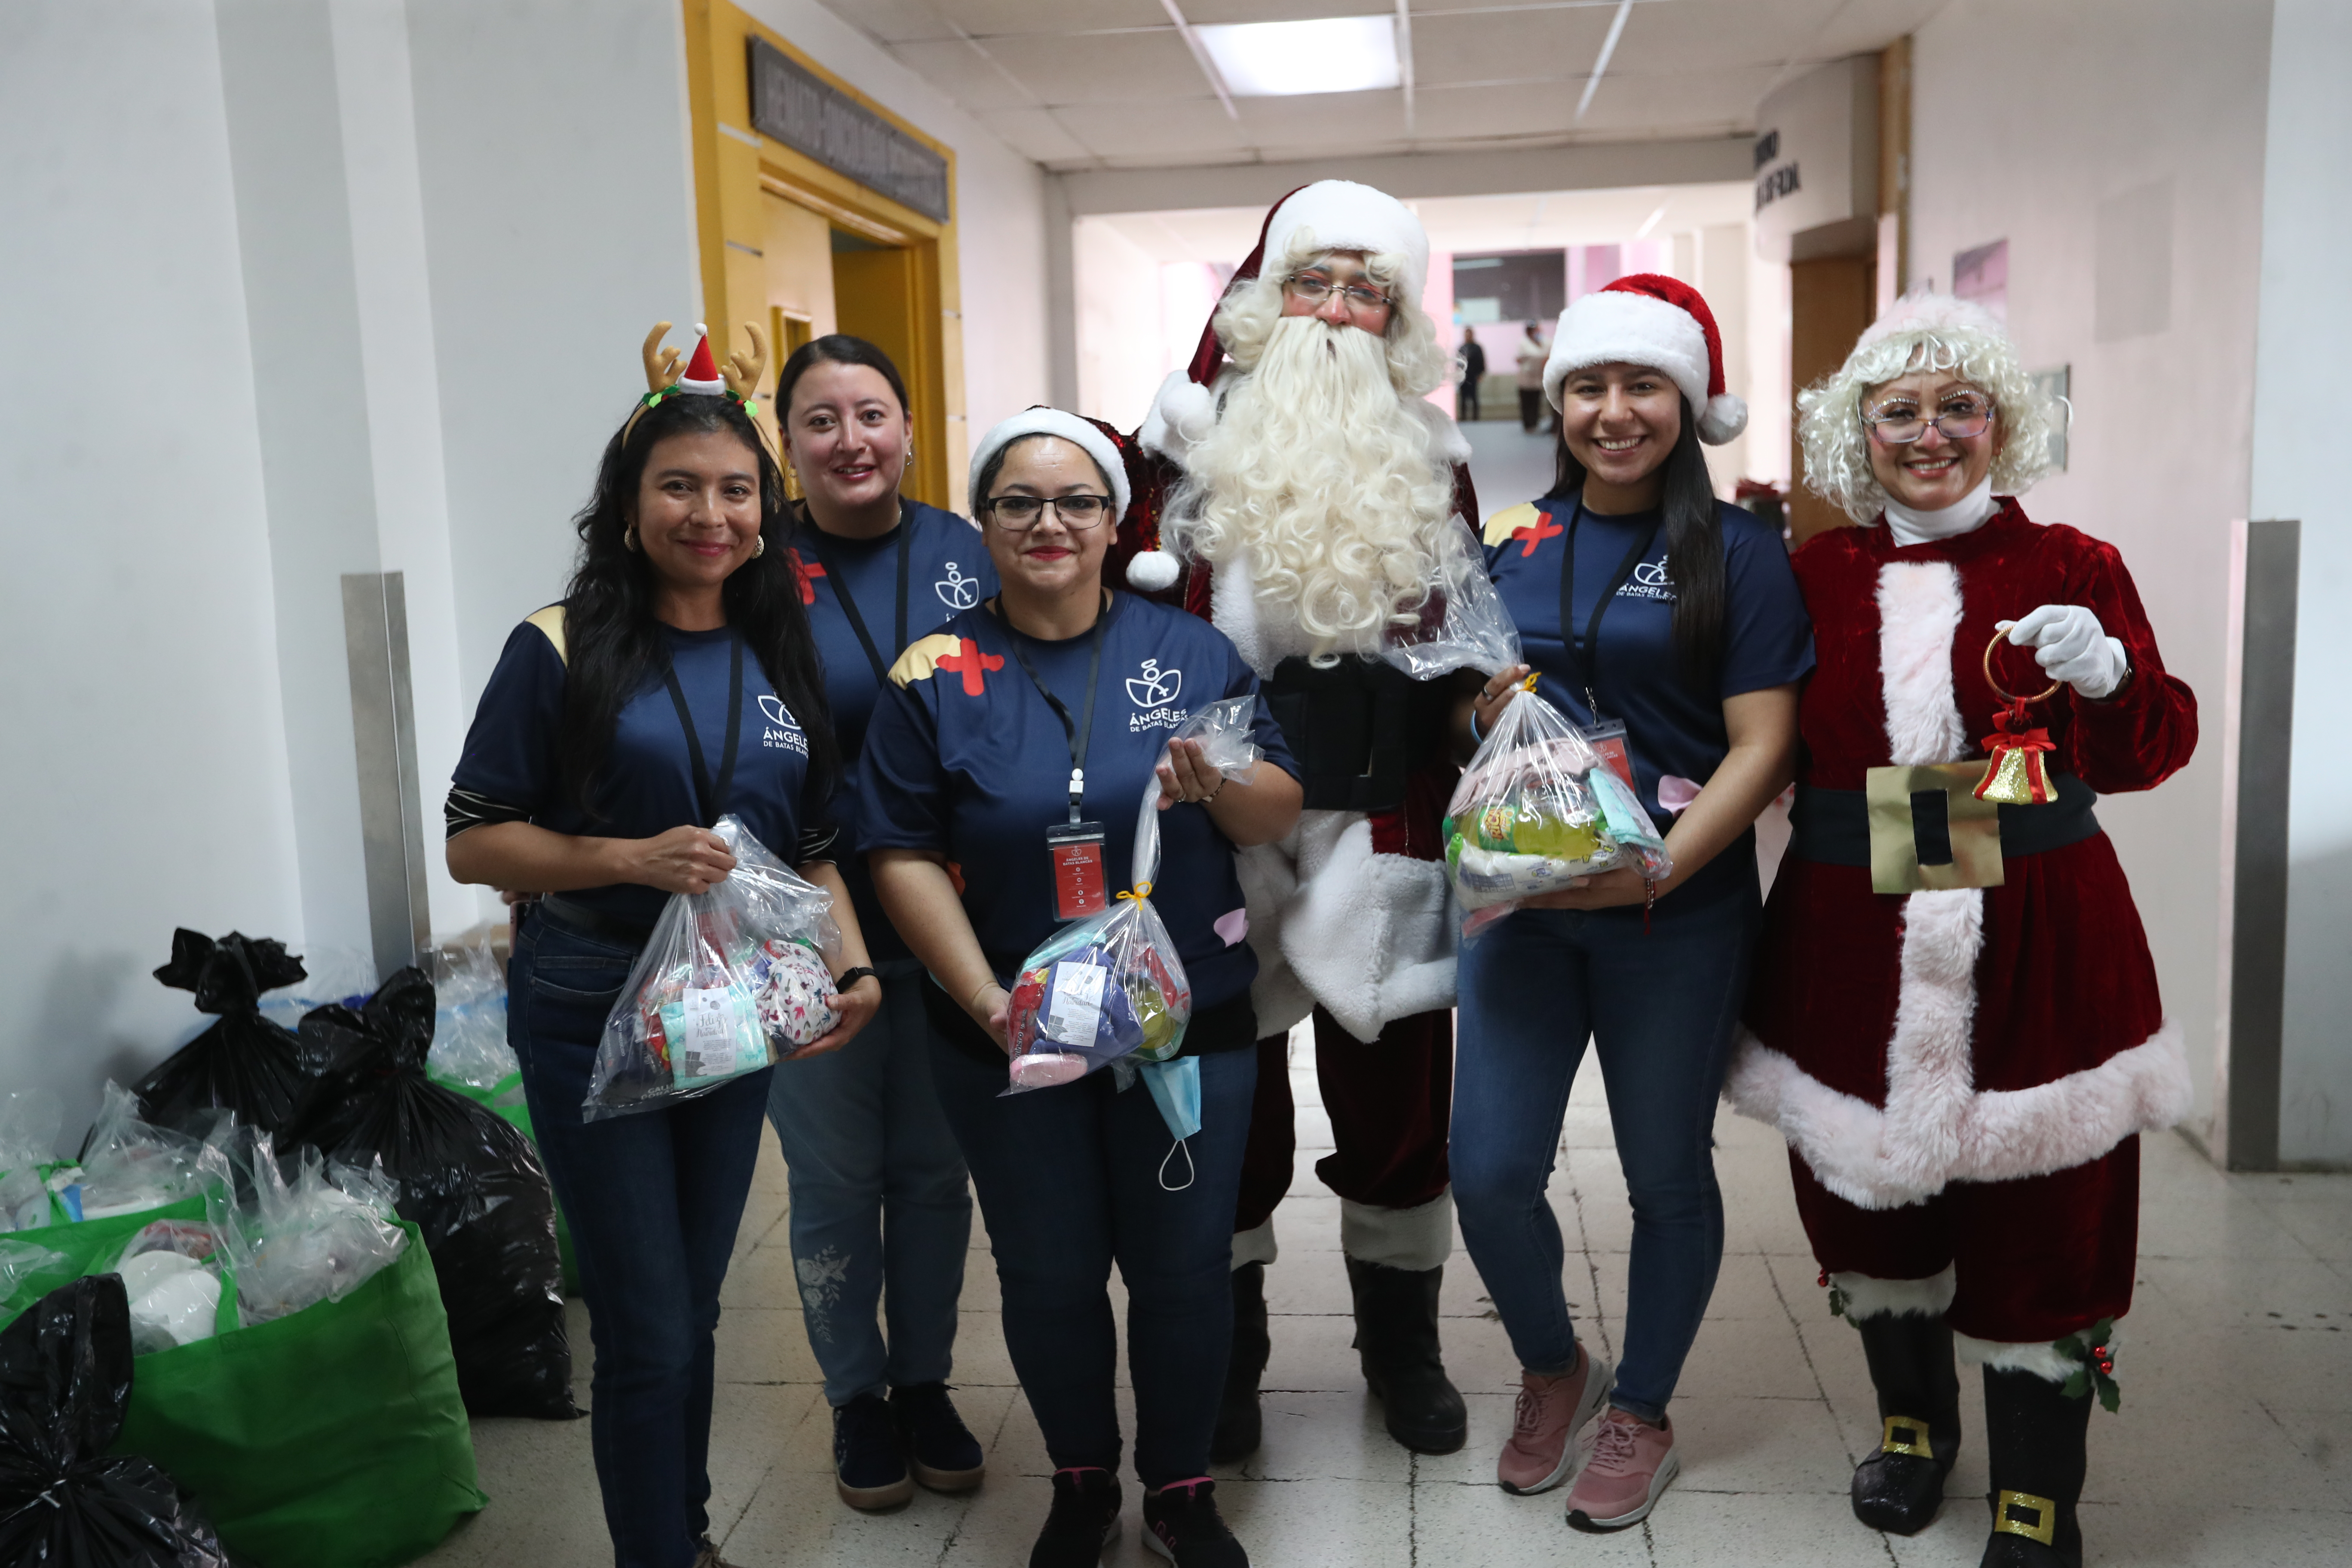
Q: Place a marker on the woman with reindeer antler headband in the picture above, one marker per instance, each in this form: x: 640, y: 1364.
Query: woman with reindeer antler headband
x: 678, y: 679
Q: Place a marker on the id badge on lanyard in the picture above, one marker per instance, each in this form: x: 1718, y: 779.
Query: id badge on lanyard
x: 1608, y: 740
x: 1080, y: 887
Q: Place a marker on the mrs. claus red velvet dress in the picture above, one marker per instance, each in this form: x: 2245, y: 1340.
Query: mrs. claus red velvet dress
x: 1961, y: 1075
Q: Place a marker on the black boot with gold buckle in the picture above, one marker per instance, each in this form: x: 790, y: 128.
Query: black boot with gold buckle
x: 2035, y: 1434
x: 1899, y: 1488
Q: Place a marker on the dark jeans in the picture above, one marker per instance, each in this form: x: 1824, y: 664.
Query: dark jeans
x: 1660, y: 1006
x: 653, y: 1200
x: 1532, y: 406
x: 1070, y: 1179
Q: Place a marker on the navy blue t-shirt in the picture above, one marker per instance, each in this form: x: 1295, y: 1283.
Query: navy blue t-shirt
x: 964, y: 757
x: 947, y: 571
x: 648, y: 784
x: 1673, y: 725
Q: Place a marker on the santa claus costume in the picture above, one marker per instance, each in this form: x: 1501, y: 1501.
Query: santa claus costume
x: 1294, y: 486
x: 1954, y: 1018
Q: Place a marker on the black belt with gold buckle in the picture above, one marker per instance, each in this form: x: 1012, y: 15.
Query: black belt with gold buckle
x: 1931, y: 829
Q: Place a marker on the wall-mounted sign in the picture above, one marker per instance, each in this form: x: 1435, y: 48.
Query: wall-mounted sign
x: 1982, y: 275
x: 1817, y: 163
x: 810, y: 116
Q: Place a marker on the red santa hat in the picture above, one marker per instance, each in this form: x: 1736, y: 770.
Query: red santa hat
x: 702, y: 370
x: 1653, y: 320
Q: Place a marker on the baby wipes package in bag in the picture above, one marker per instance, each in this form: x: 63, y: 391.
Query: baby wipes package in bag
x: 1110, y: 986
x: 1537, y: 809
x: 733, y: 979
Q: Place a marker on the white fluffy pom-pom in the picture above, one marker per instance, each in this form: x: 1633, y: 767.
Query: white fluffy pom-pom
x: 1152, y: 571
x: 1724, y: 417
x: 1190, y: 408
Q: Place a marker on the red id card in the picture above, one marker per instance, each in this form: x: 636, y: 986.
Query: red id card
x: 1076, y: 852
x: 1608, y: 739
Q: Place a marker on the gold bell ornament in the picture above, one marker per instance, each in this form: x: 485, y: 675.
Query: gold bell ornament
x: 2016, y: 773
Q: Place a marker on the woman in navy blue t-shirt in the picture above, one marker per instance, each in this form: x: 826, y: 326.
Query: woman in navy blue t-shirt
x: 676, y: 682
x: 968, y: 761
x: 1644, y: 602
x: 866, y: 1149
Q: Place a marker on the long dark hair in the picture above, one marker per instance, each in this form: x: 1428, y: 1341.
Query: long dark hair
x: 1694, y: 546
x: 616, y: 647
x: 834, y: 348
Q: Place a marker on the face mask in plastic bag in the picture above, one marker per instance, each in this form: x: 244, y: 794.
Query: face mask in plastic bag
x: 171, y: 1272
x: 1463, y: 624
x: 1536, y: 809
x: 1110, y: 986
x: 295, y: 1244
x: 718, y: 991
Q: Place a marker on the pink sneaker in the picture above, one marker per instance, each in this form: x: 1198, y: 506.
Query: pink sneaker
x: 1552, y: 1412
x: 1631, y: 1463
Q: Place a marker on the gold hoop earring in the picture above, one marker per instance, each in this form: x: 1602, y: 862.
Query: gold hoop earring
x: 760, y: 547
x: 629, y: 536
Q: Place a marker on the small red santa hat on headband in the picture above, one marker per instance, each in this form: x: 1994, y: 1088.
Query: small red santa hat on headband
x: 1653, y: 320
x: 702, y: 371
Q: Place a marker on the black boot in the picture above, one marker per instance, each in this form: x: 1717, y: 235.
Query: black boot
x: 1396, y: 1339
x: 1239, y: 1426
x: 2035, y: 1438
x: 1899, y: 1488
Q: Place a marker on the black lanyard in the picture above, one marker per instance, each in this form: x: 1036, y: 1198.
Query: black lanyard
x: 849, y: 604
x: 1079, y: 733
x: 711, y: 800
x: 1584, y: 661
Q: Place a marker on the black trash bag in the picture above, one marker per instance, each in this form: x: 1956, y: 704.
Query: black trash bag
x: 468, y: 1180
x: 65, y: 1383
x: 245, y: 1063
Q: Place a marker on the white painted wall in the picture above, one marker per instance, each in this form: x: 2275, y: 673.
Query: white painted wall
x: 2305, y: 339
x: 2025, y: 119
x: 147, y: 777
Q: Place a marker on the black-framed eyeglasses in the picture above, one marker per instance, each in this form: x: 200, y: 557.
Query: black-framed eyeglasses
x: 1017, y: 514
x: 1898, y: 424
x: 1314, y: 291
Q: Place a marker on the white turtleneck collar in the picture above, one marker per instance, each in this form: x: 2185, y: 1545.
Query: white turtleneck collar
x: 1969, y: 512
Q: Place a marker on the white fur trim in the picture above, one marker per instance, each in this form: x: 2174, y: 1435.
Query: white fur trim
x: 1617, y: 326
x: 1043, y: 421
x: 2042, y: 1358
x: 1419, y: 1239
x: 1256, y: 1245
x: 1446, y: 439
x: 1997, y: 1135
x: 1183, y: 412
x: 1149, y: 571
x: 1918, y: 615
x: 1345, y: 216
x: 1368, y: 936
x: 1723, y: 417
x: 1931, y: 1064
x: 1869, y: 1298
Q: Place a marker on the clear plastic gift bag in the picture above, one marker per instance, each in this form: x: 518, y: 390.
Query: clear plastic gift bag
x: 128, y: 1164
x: 1111, y: 986
x: 171, y: 1273
x: 1463, y: 624
x: 30, y: 1121
x: 297, y: 1243
x: 731, y: 981
x: 1537, y: 809
x: 469, y: 1022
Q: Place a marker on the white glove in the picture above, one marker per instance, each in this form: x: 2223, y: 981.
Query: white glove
x: 2069, y: 643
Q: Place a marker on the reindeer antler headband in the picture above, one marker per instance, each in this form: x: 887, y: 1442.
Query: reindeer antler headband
x: 702, y: 377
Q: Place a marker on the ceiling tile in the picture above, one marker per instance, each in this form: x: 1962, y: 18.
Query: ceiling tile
x: 1705, y: 35
x: 1865, y: 26
x: 1679, y: 104
x: 1507, y: 46
x: 1126, y: 68
x: 964, y: 74
x: 1171, y: 132
x: 892, y: 21
x: 1208, y: 13
x: 1035, y: 135
x: 1339, y: 122
x: 990, y: 18
x: 1531, y: 108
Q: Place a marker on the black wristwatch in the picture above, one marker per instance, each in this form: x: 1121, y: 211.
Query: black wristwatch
x: 850, y: 977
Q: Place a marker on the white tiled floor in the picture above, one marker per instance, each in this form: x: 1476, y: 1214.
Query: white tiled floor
x: 2234, y: 1444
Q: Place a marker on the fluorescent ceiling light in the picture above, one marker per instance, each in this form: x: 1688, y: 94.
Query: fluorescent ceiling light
x: 1335, y: 54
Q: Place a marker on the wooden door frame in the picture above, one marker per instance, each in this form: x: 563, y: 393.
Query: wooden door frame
x: 735, y: 168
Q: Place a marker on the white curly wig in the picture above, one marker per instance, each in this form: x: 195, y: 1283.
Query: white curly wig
x: 1922, y: 331
x: 1418, y: 362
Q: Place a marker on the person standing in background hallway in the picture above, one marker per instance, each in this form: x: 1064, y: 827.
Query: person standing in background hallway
x: 1532, y: 352
x: 1472, y: 364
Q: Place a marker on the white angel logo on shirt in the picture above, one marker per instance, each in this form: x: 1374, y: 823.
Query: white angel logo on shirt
x: 956, y: 590
x: 1154, y: 691
x: 782, y: 732
x: 1649, y: 582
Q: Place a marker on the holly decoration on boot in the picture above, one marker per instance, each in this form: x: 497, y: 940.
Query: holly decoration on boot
x: 1838, y: 1299
x: 2094, y: 1349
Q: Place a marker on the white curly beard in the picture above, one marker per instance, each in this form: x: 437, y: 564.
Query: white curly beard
x: 1321, y: 484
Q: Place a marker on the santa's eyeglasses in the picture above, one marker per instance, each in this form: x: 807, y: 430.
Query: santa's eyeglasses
x: 1898, y: 424
x: 1315, y: 290
x: 1016, y: 514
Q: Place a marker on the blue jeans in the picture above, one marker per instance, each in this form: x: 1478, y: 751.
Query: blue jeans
x: 1071, y: 1179
x: 653, y: 1200
x: 878, y: 1199
x: 1660, y: 1007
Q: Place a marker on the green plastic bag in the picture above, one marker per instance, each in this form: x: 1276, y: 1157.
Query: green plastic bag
x: 333, y: 1438
x: 504, y: 1097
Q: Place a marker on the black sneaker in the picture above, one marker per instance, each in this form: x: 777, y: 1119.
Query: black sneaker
x: 1182, y: 1524
x: 940, y: 1447
x: 867, y: 1469
x: 1084, y: 1523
